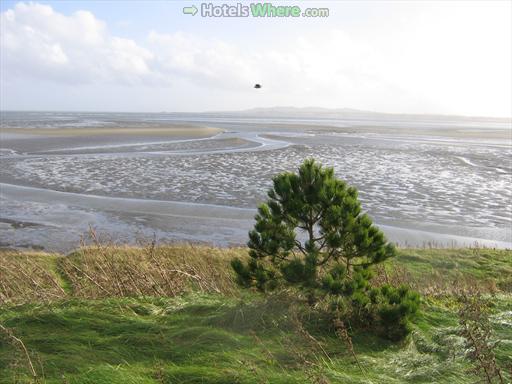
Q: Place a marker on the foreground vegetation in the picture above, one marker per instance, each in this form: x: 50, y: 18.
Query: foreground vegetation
x: 174, y: 314
x: 313, y: 235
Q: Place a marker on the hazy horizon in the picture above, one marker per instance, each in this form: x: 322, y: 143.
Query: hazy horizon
x: 277, y: 109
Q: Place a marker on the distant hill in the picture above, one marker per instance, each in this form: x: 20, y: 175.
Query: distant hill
x: 348, y: 113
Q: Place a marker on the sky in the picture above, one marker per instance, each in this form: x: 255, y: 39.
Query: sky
x: 436, y: 57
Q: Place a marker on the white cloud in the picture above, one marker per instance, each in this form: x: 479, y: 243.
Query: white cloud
x: 44, y: 44
x: 38, y: 42
x: 202, y: 60
x: 321, y: 64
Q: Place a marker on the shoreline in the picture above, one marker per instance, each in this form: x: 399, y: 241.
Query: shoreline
x: 204, y: 223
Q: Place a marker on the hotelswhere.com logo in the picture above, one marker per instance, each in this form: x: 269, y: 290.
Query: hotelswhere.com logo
x: 254, y: 10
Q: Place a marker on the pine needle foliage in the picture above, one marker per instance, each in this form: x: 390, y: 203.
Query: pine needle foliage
x: 313, y: 234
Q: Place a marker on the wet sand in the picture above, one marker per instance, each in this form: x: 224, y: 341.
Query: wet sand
x: 72, y: 214
x: 201, y: 181
x: 42, y: 139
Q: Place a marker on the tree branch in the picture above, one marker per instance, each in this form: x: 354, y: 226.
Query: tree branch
x: 300, y: 247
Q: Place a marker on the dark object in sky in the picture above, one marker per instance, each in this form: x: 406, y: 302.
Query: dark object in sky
x: 257, y: 86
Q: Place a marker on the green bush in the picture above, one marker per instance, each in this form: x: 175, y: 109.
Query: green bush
x: 312, y: 234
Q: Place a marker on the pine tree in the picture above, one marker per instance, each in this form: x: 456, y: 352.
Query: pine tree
x: 313, y: 234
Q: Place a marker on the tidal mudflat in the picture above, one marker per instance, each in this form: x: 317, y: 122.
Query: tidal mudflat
x: 200, y: 177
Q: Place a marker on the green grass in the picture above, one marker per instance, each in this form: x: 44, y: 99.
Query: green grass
x: 479, y: 263
x: 245, y: 338
x: 205, y: 339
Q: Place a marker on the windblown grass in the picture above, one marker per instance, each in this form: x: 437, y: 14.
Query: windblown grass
x: 441, y: 270
x: 112, y: 271
x: 29, y: 276
x: 210, y: 339
x: 107, y: 314
x: 101, y: 271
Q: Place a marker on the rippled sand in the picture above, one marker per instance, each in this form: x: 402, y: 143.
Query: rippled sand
x: 454, y: 187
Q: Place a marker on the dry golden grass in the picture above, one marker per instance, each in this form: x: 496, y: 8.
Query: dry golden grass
x: 29, y: 277
x: 104, y: 270
x: 117, y: 271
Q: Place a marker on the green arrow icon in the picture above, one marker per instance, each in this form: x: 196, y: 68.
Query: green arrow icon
x: 190, y: 10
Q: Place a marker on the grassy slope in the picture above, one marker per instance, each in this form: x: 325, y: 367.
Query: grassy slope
x: 229, y: 338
